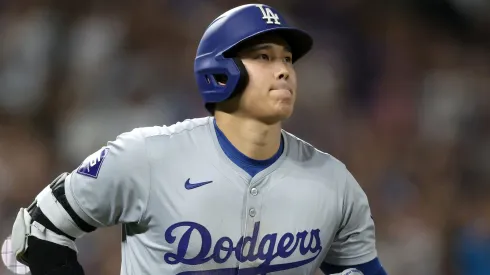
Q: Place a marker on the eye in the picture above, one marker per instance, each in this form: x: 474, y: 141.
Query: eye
x: 288, y: 59
x: 263, y: 56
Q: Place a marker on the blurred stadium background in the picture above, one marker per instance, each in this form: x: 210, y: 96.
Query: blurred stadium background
x: 398, y: 90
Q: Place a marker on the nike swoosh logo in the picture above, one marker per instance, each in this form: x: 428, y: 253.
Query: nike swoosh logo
x: 189, y: 185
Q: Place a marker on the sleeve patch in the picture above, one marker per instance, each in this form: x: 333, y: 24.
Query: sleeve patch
x: 91, y: 166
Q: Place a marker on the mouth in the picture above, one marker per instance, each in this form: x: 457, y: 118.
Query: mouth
x: 282, y: 87
x: 284, y: 91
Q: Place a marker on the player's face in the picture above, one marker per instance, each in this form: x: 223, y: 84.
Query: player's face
x: 271, y: 92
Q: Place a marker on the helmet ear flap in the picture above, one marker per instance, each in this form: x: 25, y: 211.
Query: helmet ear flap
x: 221, y: 79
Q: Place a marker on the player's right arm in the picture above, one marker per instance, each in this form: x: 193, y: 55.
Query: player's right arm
x: 111, y: 186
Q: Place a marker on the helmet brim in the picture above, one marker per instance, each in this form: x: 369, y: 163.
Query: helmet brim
x: 298, y: 40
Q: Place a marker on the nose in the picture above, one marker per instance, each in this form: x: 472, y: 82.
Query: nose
x: 282, y: 73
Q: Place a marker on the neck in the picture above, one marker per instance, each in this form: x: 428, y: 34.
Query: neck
x: 251, y: 137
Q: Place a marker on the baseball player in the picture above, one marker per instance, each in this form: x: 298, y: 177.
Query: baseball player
x: 232, y: 193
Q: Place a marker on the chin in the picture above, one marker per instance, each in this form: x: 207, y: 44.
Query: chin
x: 284, y: 110
x: 285, y: 113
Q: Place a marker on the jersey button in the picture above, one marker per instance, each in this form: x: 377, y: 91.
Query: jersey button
x: 252, y: 212
x: 254, y: 191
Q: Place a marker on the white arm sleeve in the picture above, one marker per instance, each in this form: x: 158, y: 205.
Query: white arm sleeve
x: 112, y: 185
x: 355, y: 241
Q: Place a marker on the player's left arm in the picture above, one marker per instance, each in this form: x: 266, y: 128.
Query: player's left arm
x: 354, y: 245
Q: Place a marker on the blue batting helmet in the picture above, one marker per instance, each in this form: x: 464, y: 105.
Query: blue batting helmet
x: 225, y: 33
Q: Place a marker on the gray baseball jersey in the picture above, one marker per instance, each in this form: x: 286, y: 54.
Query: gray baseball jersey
x: 187, y: 209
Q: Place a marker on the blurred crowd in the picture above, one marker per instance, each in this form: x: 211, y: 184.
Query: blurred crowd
x: 398, y: 90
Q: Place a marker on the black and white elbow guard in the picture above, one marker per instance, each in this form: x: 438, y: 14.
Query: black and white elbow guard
x: 50, y: 226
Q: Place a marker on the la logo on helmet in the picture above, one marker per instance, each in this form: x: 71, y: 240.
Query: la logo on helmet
x: 269, y: 15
